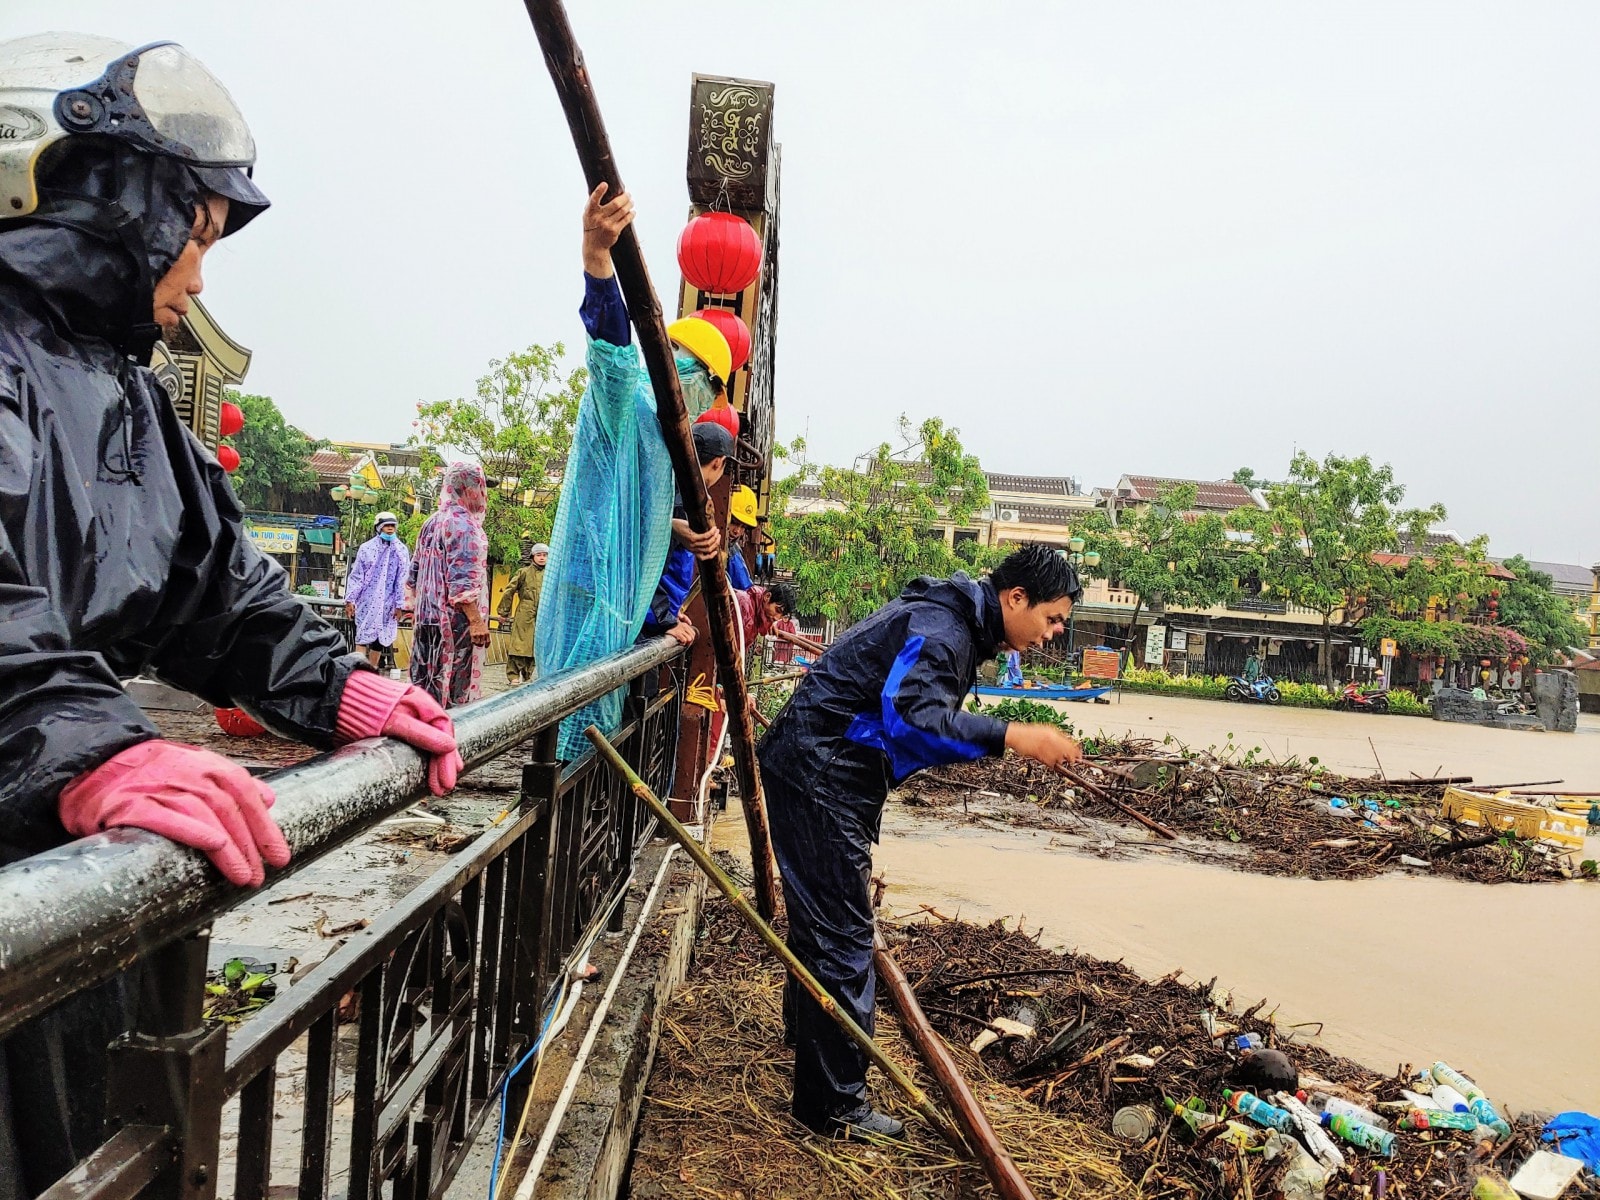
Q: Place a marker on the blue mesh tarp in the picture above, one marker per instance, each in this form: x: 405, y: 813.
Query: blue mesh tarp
x: 612, y: 529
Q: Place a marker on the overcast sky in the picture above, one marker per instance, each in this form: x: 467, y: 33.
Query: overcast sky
x: 1157, y: 238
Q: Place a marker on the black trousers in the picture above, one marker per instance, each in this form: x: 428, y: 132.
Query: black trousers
x: 825, y: 855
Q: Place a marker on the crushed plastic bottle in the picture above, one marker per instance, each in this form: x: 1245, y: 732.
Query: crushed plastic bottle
x: 1311, y: 1131
x: 1423, y: 1118
x: 1358, y: 1133
x: 1321, y: 1102
x: 1259, y: 1111
x: 1247, y: 1041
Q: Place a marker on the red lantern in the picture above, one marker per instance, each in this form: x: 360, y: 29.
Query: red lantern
x: 719, y: 252
x: 721, y: 413
x: 235, y: 722
x: 231, y: 419
x: 229, y: 458
x: 731, y: 326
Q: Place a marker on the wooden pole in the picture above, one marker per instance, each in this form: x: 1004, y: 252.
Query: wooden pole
x: 571, y: 79
x: 918, y: 1098
x: 995, y: 1159
x: 800, y: 640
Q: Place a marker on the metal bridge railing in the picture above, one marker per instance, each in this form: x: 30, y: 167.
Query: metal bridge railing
x: 450, y: 985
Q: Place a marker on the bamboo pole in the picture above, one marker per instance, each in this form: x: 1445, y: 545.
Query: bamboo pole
x: 995, y: 1159
x: 568, y: 72
x: 800, y: 640
x: 917, y: 1097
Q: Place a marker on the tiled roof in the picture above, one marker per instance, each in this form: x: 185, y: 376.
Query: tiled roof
x: 1221, y: 495
x: 1041, y: 514
x: 1033, y: 485
x: 1401, y: 561
x: 333, y: 464
x: 1568, y: 575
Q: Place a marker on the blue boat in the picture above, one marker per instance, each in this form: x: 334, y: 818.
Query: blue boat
x: 1047, y: 692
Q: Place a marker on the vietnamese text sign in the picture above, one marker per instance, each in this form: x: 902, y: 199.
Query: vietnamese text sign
x: 273, y: 539
x: 1155, y: 645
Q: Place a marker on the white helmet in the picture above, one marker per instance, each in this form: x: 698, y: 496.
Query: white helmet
x: 384, y: 518
x: 157, y: 97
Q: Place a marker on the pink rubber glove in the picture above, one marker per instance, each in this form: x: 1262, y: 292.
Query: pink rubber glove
x: 196, y: 798
x: 374, y: 706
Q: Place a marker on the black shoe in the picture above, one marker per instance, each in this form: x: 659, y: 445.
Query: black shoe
x: 866, y: 1122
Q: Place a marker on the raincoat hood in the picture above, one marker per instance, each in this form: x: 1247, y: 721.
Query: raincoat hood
x: 111, y: 222
x: 465, y: 487
x: 974, y: 600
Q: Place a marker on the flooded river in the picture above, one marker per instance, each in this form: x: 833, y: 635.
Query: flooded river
x: 1499, y: 980
x: 1399, y: 968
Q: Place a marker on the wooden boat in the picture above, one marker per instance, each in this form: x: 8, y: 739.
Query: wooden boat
x: 1055, y: 691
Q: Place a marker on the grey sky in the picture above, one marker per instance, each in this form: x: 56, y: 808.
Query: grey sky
x: 1148, y: 238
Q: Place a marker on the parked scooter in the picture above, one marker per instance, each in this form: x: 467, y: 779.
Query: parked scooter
x: 1356, y: 700
x: 1260, y: 691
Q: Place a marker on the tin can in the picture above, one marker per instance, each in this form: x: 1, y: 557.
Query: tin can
x: 1135, y: 1123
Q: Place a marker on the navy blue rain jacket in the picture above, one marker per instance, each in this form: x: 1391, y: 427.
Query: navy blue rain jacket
x: 886, y: 699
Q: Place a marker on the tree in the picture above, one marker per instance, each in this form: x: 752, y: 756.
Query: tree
x: 1314, y: 545
x: 1531, y: 605
x: 518, y: 424
x: 1164, y: 552
x: 273, y: 455
x: 1246, y: 478
x: 881, y: 523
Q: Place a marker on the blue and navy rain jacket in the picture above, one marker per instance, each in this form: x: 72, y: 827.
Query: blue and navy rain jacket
x: 885, y: 700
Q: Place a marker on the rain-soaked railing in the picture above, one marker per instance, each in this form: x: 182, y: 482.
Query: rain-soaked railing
x: 449, y: 986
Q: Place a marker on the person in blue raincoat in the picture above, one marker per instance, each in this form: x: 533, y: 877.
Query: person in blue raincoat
x: 614, y: 520
x: 883, y: 702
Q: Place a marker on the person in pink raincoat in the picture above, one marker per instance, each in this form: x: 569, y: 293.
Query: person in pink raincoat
x: 448, y: 587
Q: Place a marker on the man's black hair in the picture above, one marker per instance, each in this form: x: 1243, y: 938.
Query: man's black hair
x: 1041, y: 571
x: 711, y: 441
x: 782, y: 594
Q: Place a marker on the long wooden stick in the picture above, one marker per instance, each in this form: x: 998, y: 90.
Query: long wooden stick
x: 1148, y: 822
x: 799, y: 639
x: 573, y: 86
x: 995, y: 1159
x: 917, y: 1097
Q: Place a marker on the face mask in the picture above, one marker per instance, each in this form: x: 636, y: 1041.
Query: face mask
x: 698, y: 394
x: 388, y: 537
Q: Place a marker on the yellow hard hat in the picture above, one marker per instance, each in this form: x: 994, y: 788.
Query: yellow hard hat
x: 705, y: 341
x: 742, y: 506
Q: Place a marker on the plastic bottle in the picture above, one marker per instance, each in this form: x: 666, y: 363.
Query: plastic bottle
x: 1310, y: 1126
x: 1421, y: 1118
x: 1247, y: 1041
x: 1359, y: 1133
x: 1449, y: 1099
x: 1194, y: 1115
x: 1259, y: 1111
x: 1477, y: 1103
x: 1321, y: 1102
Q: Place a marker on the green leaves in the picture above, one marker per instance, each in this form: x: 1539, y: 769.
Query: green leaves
x: 272, y: 453
x: 1530, y: 605
x: 878, y: 523
x: 518, y: 423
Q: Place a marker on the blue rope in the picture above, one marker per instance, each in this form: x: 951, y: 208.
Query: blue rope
x: 505, y: 1085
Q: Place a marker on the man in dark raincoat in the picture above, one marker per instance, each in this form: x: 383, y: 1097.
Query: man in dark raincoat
x: 122, y: 548
x: 883, y: 702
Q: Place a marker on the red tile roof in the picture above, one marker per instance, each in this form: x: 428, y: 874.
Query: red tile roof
x: 1221, y: 495
x: 1401, y: 561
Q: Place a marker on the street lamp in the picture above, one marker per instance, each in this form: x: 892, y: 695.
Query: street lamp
x: 1078, y: 558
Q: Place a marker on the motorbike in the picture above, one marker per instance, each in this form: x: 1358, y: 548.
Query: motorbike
x: 1356, y: 700
x: 1259, y: 691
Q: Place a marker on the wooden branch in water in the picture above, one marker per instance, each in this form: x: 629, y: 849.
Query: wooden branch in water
x: 1126, y: 809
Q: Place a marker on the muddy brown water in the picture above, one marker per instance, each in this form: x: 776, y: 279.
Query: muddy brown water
x: 1498, y: 981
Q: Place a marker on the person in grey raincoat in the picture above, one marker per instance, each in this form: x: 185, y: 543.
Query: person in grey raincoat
x: 122, y: 547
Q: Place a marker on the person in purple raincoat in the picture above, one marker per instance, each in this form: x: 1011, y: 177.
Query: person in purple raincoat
x: 376, y: 594
x: 449, y: 591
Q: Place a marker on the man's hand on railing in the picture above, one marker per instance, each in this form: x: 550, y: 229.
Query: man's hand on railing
x: 192, y: 796
x: 373, y: 706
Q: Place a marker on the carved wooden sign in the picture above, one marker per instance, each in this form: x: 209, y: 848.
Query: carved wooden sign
x: 730, y: 134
